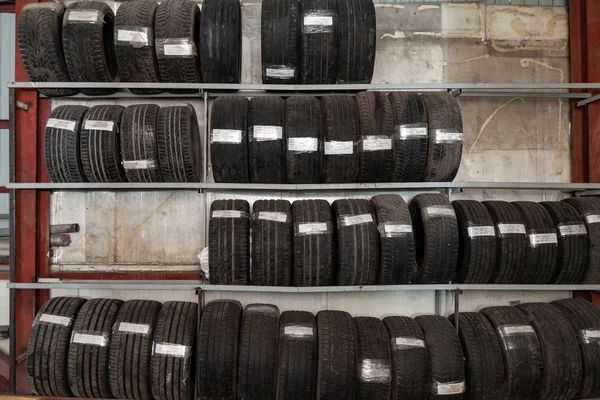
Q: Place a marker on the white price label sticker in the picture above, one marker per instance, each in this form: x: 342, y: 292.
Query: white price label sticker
x: 99, y: 125
x: 55, y: 319
x: 227, y: 214
x: 298, y: 331
x: 226, y: 136
x: 281, y: 73
x: 399, y: 228
x: 272, y: 216
x: 83, y: 16
x: 339, y: 147
x: 318, y: 20
x: 186, y: 49
x: 377, y: 144
x: 61, y: 124
x: 350, y: 220
x: 407, y: 132
x: 132, y: 36
x: 263, y: 133
x: 139, y: 164
x: 443, y: 136
x: 170, y: 349
x: 511, y: 228
x: 514, y: 329
x: 590, y: 333
x: 477, y: 231
x: 405, y: 342
x: 134, y: 328
x: 303, y: 144
x: 537, y: 239
x: 439, y: 211
x: 592, y: 218
x: 86, y: 338
x: 312, y: 228
x: 572, y: 230
x: 450, y: 388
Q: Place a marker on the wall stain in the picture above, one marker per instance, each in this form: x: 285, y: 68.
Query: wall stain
x: 492, y: 115
x: 396, y: 35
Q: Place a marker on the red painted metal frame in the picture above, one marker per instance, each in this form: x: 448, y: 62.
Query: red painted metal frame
x: 7, y: 8
x: 592, y: 15
x: 4, y: 124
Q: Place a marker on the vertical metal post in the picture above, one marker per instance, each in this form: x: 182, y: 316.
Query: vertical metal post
x: 440, y: 302
x: 12, y: 255
x: 457, y: 293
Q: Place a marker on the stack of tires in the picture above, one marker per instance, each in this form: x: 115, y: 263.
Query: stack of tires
x: 375, y: 137
x: 385, y: 241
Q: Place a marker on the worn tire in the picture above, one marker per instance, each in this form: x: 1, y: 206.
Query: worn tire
x: 314, y: 254
x: 218, y: 334
x: 484, y: 368
x: 373, y: 358
x: 560, y: 351
x: 137, y: 61
x: 318, y: 50
x: 101, y: 148
x: 396, y: 241
x: 178, y: 143
x: 443, y: 158
x: 445, y: 356
x: 436, y: 238
x: 257, y: 363
x: 88, y: 362
x: 48, y: 346
x: 39, y: 34
x: 130, y: 353
x: 297, y: 364
x: 356, y: 41
x: 584, y: 317
x: 229, y: 160
x: 523, y: 365
x: 477, y: 242
x: 357, y: 242
x: 266, y: 157
x: 303, y: 129
x: 62, y: 150
x: 336, y: 365
x: 279, y: 41
x: 376, y: 122
x: 221, y: 47
x: 228, y: 242
x: 340, y: 139
x: 573, y: 245
x: 138, y: 143
x: 172, y: 374
x: 541, y: 264
x: 411, y: 138
x: 589, y: 209
x: 178, y: 19
x: 511, y: 242
x: 272, y: 233
x: 89, y: 47
x: 410, y: 371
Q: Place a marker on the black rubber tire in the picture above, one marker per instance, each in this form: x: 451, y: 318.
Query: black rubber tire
x: 137, y: 62
x: 410, y: 151
x: 218, y: 335
x: 88, y: 363
x: 89, y: 48
x: 476, y: 254
x: 336, y: 365
x: 314, y: 254
x: 443, y: 159
x: 589, y: 209
x: 303, y: 120
x: 318, y: 50
x: 396, y: 242
x: 230, y: 160
x: 130, y: 353
x: 357, y: 242
x: 356, y: 41
x: 138, y: 143
x: 266, y: 158
x: 573, y: 250
x: 297, y: 364
x: 221, y: 47
x: 445, y: 356
x: 583, y: 316
x: 376, y: 119
x: 340, y: 124
x: 178, y: 19
x: 560, y: 351
x: 62, y: 151
x: 257, y: 363
x: 523, y: 364
x: 48, y: 347
x: 410, y: 371
x: 172, y: 375
x: 39, y: 34
x: 510, y: 247
x: 272, y: 253
x: 541, y: 264
x: 101, y: 149
x: 178, y: 142
x: 436, y: 239
x: 373, y: 359
x: 279, y: 41
x: 228, y: 243
x: 484, y: 367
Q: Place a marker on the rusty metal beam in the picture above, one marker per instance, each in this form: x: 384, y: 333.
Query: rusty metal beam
x: 578, y: 70
x: 592, y: 24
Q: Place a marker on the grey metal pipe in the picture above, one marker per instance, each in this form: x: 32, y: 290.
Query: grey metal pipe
x: 64, y: 228
x: 60, y: 239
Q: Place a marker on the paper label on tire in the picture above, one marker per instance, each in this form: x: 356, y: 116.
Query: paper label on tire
x: 318, y: 20
x: 511, y: 228
x: 226, y: 136
x: 227, y: 214
x: 350, y: 220
x: 339, y: 147
x: 537, y: 239
x: 450, y: 388
x: 83, y: 16
x: 378, y: 371
x: 592, y: 218
x: 439, y: 211
x: 272, y: 216
x: 86, y: 338
x: 572, y: 230
x: 185, y: 49
x: 134, y: 328
x: 139, y: 164
x: 406, y: 342
x: 303, y: 144
x: 397, y: 228
x: 55, y: 319
x: 591, y: 335
x: 406, y: 132
x: 312, y: 228
x: 515, y: 329
x: 264, y: 133
x: 282, y: 73
x: 447, y: 136
x: 61, y: 124
x: 170, y: 349
x: 377, y: 144
x: 298, y: 331
x: 477, y: 231
x: 99, y: 125
x: 136, y: 37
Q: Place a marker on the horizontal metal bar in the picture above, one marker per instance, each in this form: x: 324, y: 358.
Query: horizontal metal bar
x: 585, y: 193
x: 545, y: 95
x: 588, y: 100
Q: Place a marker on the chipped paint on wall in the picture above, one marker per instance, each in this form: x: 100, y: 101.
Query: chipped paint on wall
x: 396, y: 35
x: 427, y: 7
